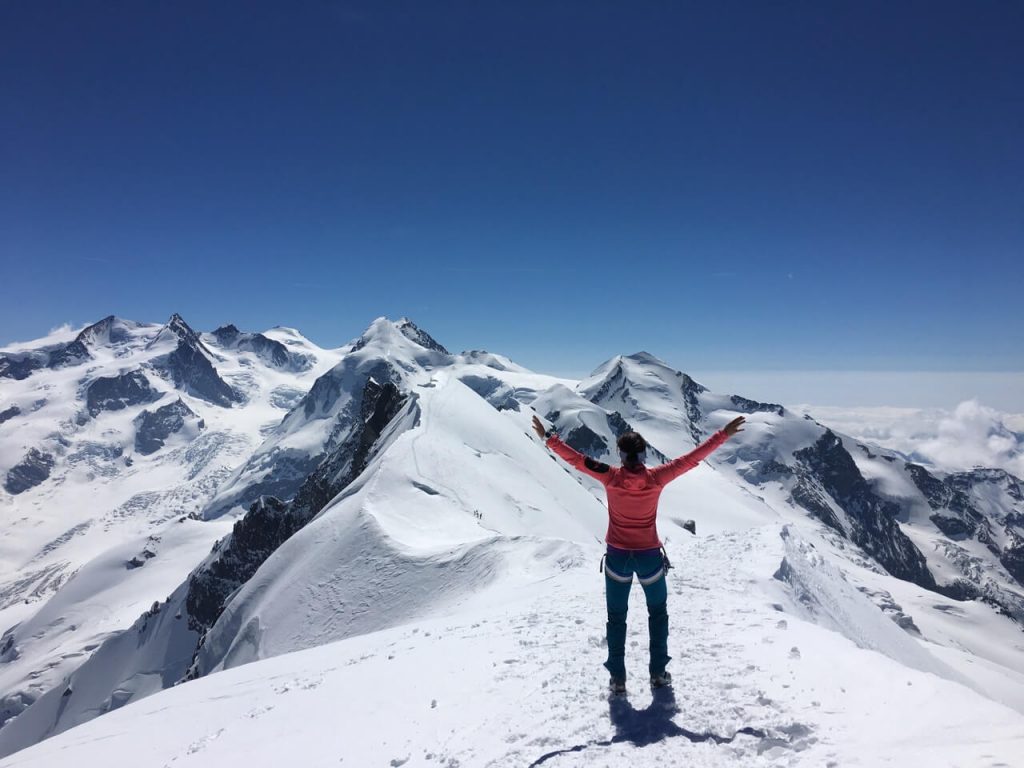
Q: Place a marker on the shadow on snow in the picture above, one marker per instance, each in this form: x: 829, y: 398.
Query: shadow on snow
x: 643, y: 727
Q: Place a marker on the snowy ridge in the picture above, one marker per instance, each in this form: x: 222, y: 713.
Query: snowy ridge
x: 821, y: 595
x: 403, y: 494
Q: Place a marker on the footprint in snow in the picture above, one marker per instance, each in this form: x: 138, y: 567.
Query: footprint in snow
x: 200, y: 745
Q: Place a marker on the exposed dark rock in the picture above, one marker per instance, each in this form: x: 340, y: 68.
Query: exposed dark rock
x: 582, y: 438
x: 826, y: 469
x: 20, y: 365
x: 269, y: 521
x: 140, y: 559
x: 967, y: 481
x: 585, y: 440
x: 414, y: 333
x: 1012, y: 558
x: 614, y: 382
x: 73, y: 353
x: 892, y: 609
x: 942, y: 494
x: 618, y: 425
x: 380, y: 404
x: 113, y: 393
x: 190, y: 368
x: 958, y: 516
x: 752, y: 406
x: 152, y: 428
x: 109, y: 330
x: 691, y: 389
x: 322, y: 395
x: 960, y: 589
x: 30, y: 472
x: 272, y: 352
x: 762, y: 466
x: 494, y: 391
x: 9, y: 413
x: 227, y: 335
x: 954, y: 527
x: 812, y: 497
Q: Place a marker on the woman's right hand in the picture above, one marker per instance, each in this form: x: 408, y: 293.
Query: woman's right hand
x: 732, y: 427
x: 538, y: 428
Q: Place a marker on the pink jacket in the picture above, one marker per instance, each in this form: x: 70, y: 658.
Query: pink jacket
x: 633, y: 493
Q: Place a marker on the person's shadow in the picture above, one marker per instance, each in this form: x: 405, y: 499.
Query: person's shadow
x: 652, y: 724
x: 642, y: 727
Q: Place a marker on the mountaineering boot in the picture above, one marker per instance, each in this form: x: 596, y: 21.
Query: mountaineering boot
x: 617, y: 686
x: 661, y: 680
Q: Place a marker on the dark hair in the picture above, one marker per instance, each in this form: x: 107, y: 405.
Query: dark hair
x: 631, y: 444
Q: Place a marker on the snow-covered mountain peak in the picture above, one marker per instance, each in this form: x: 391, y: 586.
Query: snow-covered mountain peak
x: 410, y: 330
x: 645, y: 390
x: 177, y: 331
x: 402, y: 340
x: 491, y: 360
x: 270, y: 351
x: 645, y: 358
x: 109, y: 331
x: 639, y: 369
x: 387, y: 355
x: 227, y: 331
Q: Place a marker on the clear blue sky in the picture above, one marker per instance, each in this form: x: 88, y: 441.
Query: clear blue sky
x: 727, y: 185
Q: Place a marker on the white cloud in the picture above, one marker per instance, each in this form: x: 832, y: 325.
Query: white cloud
x: 1003, y: 390
x: 970, y: 435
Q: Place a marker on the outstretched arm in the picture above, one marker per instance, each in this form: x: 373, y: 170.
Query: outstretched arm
x: 584, y: 464
x: 666, y: 473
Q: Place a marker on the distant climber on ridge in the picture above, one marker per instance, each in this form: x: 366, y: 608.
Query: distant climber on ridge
x: 633, y: 545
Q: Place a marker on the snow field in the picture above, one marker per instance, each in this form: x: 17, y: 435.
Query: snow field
x: 518, y: 681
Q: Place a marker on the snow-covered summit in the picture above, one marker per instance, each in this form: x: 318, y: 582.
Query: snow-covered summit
x: 109, y: 331
x: 386, y: 353
x: 402, y: 340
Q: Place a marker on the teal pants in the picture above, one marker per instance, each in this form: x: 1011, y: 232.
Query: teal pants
x: 619, y: 568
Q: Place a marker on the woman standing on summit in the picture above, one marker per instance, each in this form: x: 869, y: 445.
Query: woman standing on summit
x: 633, y: 544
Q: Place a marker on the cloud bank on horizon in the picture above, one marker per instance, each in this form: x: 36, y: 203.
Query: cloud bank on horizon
x: 970, y: 435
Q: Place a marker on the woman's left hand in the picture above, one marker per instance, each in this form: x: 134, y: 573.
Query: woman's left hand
x: 538, y: 428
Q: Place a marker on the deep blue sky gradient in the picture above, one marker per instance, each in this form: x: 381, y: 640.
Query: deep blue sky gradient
x: 751, y: 185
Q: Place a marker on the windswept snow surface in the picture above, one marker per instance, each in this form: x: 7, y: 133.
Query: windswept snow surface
x: 514, y: 682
